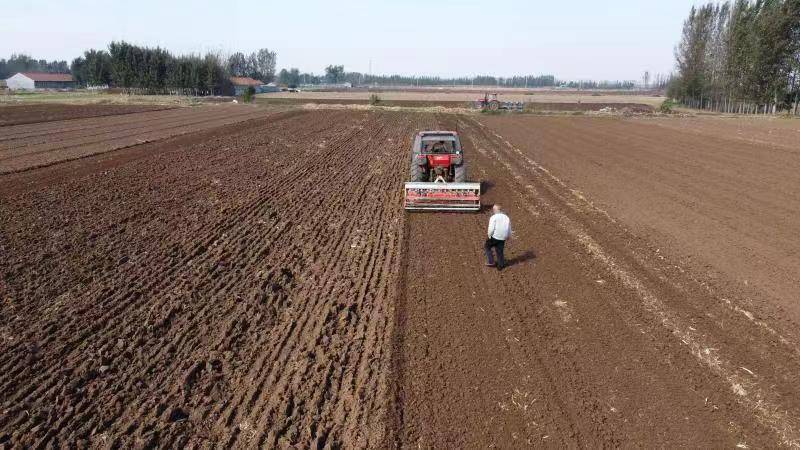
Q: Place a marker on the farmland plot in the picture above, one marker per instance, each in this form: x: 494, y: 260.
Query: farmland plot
x: 255, y: 282
x: 235, y: 291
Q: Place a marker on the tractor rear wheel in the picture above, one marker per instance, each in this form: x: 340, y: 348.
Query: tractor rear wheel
x: 416, y: 173
x: 460, y: 175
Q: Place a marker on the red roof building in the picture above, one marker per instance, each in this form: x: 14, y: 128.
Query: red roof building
x: 245, y: 81
x: 43, y: 76
x: 40, y: 80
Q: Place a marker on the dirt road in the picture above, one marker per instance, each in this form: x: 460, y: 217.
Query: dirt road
x: 257, y: 283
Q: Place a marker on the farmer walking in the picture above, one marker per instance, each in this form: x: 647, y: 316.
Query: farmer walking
x: 499, y: 232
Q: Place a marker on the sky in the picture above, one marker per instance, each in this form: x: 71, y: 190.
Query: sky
x: 580, y: 39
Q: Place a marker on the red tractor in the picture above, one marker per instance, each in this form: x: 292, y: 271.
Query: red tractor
x: 488, y: 102
x: 438, y: 174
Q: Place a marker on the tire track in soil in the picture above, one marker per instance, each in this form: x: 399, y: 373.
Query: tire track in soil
x: 227, y: 293
x: 585, y: 340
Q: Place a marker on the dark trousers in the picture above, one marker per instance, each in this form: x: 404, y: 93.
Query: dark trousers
x: 498, y: 247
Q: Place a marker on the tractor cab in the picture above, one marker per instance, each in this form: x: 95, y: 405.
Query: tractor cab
x: 439, y: 144
x: 439, y: 153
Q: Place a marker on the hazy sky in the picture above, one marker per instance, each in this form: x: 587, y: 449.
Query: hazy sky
x: 581, y: 39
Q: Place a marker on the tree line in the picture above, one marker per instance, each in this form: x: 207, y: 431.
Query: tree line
x: 740, y: 56
x: 145, y: 70
x: 24, y: 63
x: 155, y: 70
x: 258, y: 65
x: 478, y: 80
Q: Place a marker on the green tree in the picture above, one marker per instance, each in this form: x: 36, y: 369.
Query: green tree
x: 24, y: 63
x: 742, y: 53
x: 78, y: 69
x: 237, y: 65
x: 264, y: 62
x: 334, y: 74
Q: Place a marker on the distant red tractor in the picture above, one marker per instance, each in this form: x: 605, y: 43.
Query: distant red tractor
x: 438, y: 175
x: 488, y: 102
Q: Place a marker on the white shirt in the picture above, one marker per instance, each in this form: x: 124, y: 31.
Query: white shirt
x: 499, y: 227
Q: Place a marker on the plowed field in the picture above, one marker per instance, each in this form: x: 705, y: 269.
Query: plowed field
x: 236, y: 291
x: 23, y: 147
x: 257, y: 284
x: 599, y: 334
x: 23, y: 114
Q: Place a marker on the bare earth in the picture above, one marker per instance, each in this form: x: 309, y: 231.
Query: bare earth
x: 23, y: 147
x: 719, y: 191
x: 256, y: 282
x: 444, y: 96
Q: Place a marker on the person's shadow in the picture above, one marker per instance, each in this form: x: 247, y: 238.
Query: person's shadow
x: 519, y: 259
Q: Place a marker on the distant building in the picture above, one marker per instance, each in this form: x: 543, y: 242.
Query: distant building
x: 40, y: 80
x: 270, y: 87
x: 240, y: 84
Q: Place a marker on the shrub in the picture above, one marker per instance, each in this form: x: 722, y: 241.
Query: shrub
x: 667, y: 106
x: 249, y: 94
x: 374, y: 99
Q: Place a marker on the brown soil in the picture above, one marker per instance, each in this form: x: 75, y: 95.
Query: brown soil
x: 23, y: 114
x: 718, y: 199
x: 759, y: 131
x: 237, y: 289
x: 24, y: 147
x: 591, y: 337
x: 585, y: 107
x: 529, y: 106
x: 334, y: 101
x: 258, y: 284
